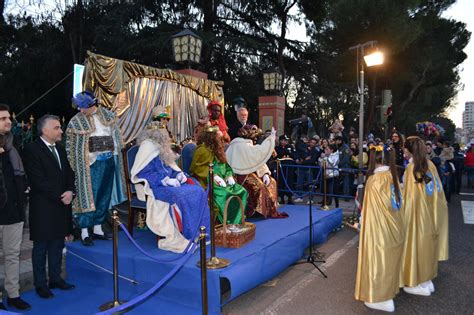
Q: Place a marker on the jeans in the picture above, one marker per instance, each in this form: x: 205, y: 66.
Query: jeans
x: 470, y: 175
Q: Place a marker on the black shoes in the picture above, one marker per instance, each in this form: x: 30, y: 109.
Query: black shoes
x: 62, y: 285
x: 105, y: 237
x: 87, y: 241
x: 18, y: 303
x: 44, y: 292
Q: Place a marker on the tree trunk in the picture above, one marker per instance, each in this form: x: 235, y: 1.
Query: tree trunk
x: 2, y: 10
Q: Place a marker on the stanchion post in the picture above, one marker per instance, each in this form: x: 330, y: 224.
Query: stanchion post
x: 116, y: 302
x: 214, y: 262
x: 202, y: 241
x: 213, y: 212
x: 325, y: 205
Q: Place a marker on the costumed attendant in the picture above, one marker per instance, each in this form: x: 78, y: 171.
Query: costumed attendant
x: 382, y: 234
x: 216, y: 118
x: 94, y: 146
x: 422, y: 217
x: 211, y: 150
x: 174, y: 202
x: 441, y: 217
x: 248, y: 161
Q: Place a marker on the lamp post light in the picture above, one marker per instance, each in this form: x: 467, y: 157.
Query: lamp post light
x: 373, y: 59
x: 187, y: 47
x: 272, y: 80
x: 271, y: 107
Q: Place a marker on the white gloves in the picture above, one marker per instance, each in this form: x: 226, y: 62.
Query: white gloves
x: 220, y: 181
x: 181, y: 178
x: 274, y: 132
x: 266, y: 179
x: 173, y: 182
x: 230, y: 181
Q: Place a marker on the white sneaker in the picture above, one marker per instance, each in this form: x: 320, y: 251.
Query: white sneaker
x: 418, y: 290
x: 386, y: 306
x: 428, y: 285
x: 298, y: 200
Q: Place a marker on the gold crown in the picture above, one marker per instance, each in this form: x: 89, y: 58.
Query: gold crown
x: 212, y: 129
x: 155, y: 125
x: 377, y: 148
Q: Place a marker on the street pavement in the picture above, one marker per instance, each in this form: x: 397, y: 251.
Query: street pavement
x: 302, y: 290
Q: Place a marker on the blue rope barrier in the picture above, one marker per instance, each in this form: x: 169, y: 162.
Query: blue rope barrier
x: 318, y: 180
x: 292, y: 191
x: 189, y: 250
x: 196, y: 231
x: 153, y: 289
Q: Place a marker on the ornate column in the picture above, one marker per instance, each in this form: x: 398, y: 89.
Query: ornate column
x: 271, y: 113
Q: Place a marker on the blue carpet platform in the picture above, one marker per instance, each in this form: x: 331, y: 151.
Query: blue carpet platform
x: 278, y: 244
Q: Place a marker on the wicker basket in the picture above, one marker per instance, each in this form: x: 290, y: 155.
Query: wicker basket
x: 234, y: 235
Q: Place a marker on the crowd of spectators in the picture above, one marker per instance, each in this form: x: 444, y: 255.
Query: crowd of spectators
x: 302, y: 159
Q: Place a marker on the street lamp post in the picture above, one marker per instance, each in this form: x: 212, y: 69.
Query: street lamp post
x: 373, y: 59
x: 186, y: 47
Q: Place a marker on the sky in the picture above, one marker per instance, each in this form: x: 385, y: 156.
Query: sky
x: 462, y: 11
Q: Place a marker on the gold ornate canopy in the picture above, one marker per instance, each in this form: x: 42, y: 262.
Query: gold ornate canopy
x: 133, y: 91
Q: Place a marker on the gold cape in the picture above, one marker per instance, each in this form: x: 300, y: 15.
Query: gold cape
x: 420, y: 254
x: 381, y: 241
x: 440, y: 207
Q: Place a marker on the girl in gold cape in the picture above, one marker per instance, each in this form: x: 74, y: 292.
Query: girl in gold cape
x: 426, y: 221
x: 382, y: 234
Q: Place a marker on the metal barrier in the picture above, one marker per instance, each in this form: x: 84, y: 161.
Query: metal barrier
x: 311, y: 177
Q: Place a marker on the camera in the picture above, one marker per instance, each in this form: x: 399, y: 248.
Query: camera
x: 298, y: 121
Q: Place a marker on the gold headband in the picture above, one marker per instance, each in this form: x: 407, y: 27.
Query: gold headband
x: 377, y: 148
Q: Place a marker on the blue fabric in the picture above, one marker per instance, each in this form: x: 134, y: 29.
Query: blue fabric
x: 191, y: 199
x: 102, y: 178
x: 136, y: 203
x: 119, y: 192
x: 278, y: 244
x: 187, y: 154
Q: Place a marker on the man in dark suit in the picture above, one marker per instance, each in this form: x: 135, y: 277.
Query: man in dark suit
x: 52, y: 190
x: 242, y: 120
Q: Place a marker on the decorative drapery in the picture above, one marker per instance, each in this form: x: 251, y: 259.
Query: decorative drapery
x: 132, y: 91
x: 145, y: 94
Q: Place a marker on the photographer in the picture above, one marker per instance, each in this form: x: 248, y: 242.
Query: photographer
x: 301, y: 126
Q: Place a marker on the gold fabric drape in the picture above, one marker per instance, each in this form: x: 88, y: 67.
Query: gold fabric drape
x: 135, y: 105
x: 381, y: 241
x: 115, y: 84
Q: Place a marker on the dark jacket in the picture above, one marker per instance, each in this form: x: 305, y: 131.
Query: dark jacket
x: 50, y: 219
x: 287, y: 151
x: 3, y: 192
x: 234, y: 129
x: 345, y: 155
x: 13, y: 195
x: 313, y: 155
